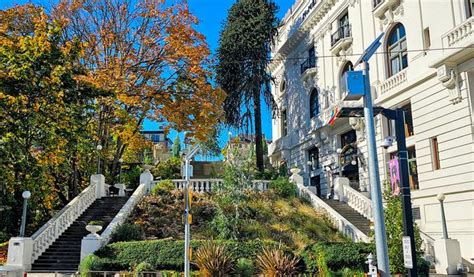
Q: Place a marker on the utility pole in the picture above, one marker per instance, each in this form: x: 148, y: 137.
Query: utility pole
x: 408, y: 229
x: 358, y: 84
x: 187, y: 212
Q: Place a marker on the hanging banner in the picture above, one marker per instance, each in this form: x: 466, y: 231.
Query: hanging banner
x: 394, y: 170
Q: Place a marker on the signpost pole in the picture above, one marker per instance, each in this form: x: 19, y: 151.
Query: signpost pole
x: 405, y: 191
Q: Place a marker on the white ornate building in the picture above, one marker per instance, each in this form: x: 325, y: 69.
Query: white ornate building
x: 425, y: 65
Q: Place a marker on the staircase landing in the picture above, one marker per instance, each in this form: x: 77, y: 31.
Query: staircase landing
x: 64, y: 254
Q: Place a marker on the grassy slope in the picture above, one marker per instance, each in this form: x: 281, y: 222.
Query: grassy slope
x: 263, y: 215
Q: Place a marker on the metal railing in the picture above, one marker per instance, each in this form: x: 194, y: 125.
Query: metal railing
x: 344, y: 31
x: 310, y: 62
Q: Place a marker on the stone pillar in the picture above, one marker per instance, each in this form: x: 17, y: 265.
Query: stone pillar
x: 100, y: 188
x: 339, y: 184
x: 448, y: 256
x: 146, y: 178
x: 20, y: 251
x: 90, y: 244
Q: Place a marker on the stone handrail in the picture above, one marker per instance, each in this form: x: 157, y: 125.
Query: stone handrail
x: 49, y: 232
x: 342, y: 224
x: 206, y: 185
x: 124, y: 212
x: 459, y: 33
x: 358, y: 201
x: 393, y: 82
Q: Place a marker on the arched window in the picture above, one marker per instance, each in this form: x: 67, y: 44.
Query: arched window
x: 397, y: 50
x: 342, y: 80
x: 313, y: 103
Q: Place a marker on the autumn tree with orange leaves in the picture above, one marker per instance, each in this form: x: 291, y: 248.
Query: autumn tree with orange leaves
x: 149, y: 56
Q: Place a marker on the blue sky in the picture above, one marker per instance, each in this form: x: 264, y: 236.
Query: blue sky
x: 211, y: 14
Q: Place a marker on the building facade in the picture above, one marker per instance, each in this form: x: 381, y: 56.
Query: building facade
x: 425, y: 66
x: 161, y: 149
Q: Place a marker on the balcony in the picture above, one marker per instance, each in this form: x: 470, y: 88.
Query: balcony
x: 341, y: 39
x: 309, y: 63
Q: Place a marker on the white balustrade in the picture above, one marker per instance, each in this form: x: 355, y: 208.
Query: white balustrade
x: 358, y: 201
x: 459, y: 33
x: 49, y: 232
x: 207, y: 185
x: 393, y: 82
x: 342, y: 224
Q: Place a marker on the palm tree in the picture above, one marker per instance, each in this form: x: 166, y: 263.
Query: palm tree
x: 243, y: 56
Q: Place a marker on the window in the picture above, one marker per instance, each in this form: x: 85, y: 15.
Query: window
x: 426, y: 38
x: 469, y: 4
x: 313, y: 157
x: 435, y: 154
x: 284, y: 123
x: 310, y: 62
x: 343, y: 29
x: 409, y: 130
x: 412, y: 169
x: 348, y: 138
x: 313, y: 103
x: 397, y: 50
x: 342, y: 79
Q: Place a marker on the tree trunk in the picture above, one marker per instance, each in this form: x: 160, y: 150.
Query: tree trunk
x: 258, y: 132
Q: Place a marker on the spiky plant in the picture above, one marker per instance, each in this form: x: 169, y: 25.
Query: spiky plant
x: 274, y: 262
x: 213, y: 260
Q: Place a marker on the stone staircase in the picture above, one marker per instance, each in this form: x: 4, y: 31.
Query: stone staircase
x: 64, y: 253
x: 362, y: 223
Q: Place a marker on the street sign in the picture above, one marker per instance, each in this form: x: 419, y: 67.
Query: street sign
x: 407, y: 257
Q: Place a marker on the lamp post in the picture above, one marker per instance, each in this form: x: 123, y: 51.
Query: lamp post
x: 120, y: 170
x: 26, y: 195
x: 99, y: 148
x: 441, y: 198
x: 187, y: 212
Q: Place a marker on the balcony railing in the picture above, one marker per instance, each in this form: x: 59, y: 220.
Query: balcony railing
x: 377, y: 2
x: 310, y: 62
x: 343, y: 31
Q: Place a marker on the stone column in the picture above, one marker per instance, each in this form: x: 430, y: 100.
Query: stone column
x: 20, y: 251
x: 146, y: 178
x: 100, y: 188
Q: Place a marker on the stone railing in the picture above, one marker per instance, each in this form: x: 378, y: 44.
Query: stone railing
x: 341, y: 223
x: 459, y: 33
x: 49, y: 232
x: 207, y: 185
x: 392, y: 82
x: 357, y: 201
x: 124, y: 212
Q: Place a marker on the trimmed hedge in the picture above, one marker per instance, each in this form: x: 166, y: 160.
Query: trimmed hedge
x: 338, y: 255
x: 167, y: 254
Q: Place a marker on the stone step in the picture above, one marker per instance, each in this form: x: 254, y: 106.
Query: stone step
x: 358, y: 220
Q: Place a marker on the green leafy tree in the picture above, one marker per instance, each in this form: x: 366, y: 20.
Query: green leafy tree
x: 243, y: 52
x: 176, y: 150
x: 394, y: 229
x: 45, y: 143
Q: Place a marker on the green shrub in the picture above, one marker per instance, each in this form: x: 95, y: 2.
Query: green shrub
x: 89, y: 263
x: 163, y: 187
x: 283, y: 187
x: 169, y: 169
x: 275, y: 262
x: 96, y: 222
x: 4, y: 237
x: 131, y: 177
x: 127, y: 232
x: 244, y: 268
x: 168, y: 254
x: 337, y: 255
x: 142, y: 267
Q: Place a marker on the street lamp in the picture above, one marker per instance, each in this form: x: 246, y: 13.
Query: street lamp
x: 26, y: 195
x: 120, y: 169
x: 99, y: 148
x: 441, y: 198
